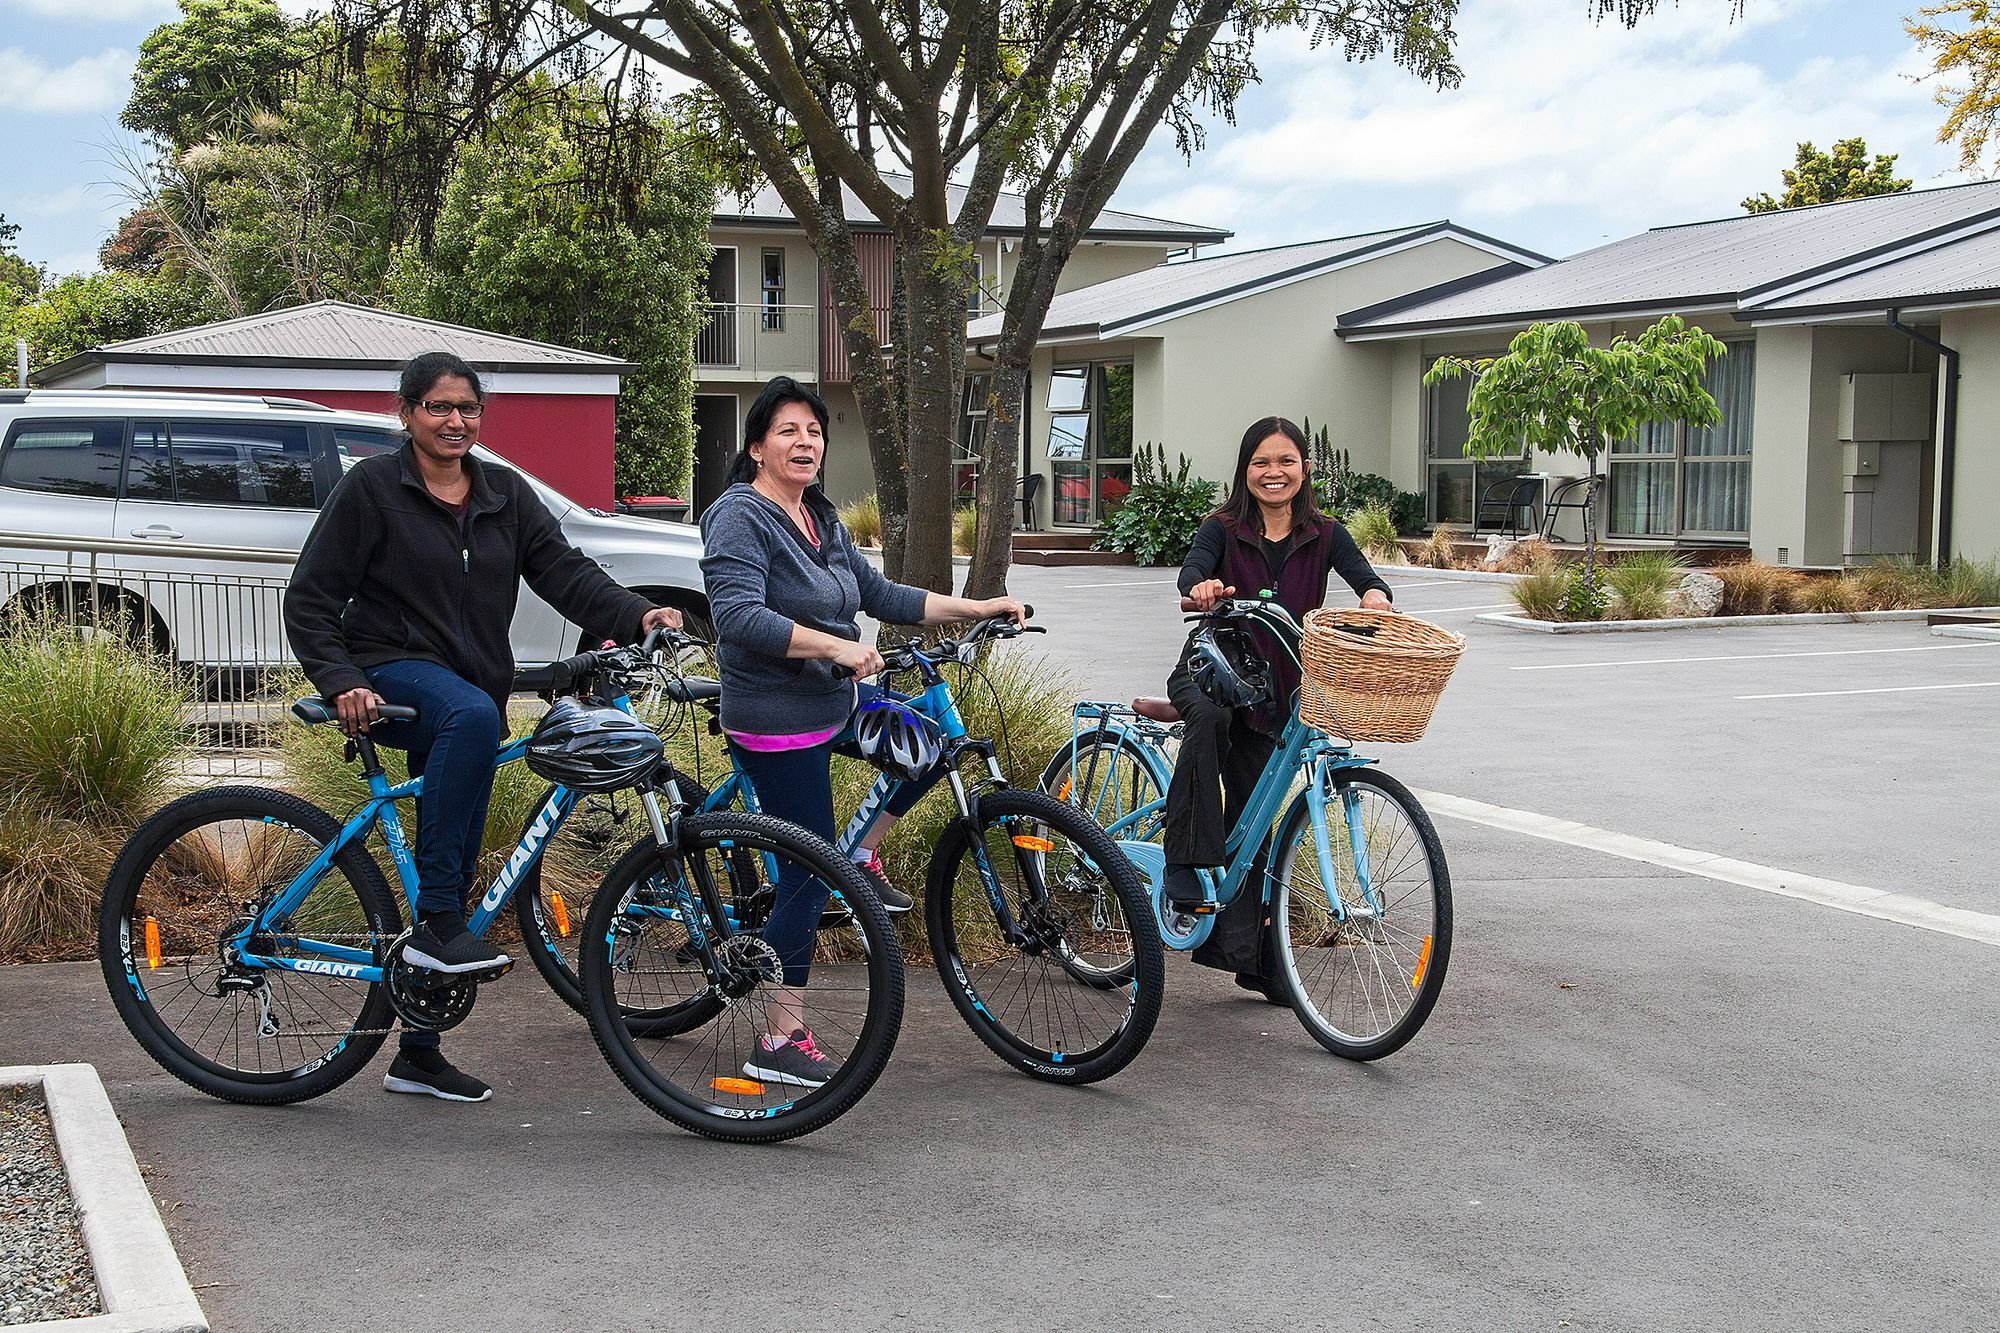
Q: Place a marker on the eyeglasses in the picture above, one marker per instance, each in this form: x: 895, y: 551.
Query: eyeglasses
x: 466, y: 411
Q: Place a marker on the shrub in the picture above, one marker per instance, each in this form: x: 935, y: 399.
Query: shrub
x: 1159, y: 517
x: 964, y: 527
x: 1585, y: 597
x: 1643, y: 583
x: 1543, y: 594
x: 1753, y: 588
x: 1374, y: 531
x: 1407, y: 509
x: 93, y: 726
x: 863, y: 520
x: 1437, y: 551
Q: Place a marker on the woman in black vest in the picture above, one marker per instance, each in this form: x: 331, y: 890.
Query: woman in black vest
x: 1268, y: 539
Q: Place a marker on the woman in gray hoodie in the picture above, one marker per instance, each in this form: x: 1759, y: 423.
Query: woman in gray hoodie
x: 785, y: 582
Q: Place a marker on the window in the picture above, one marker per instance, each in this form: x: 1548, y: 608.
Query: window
x: 1672, y: 481
x: 971, y: 456
x: 774, y: 291
x: 1454, y: 482
x: 221, y: 463
x: 351, y: 445
x: 1090, y: 440
x: 974, y: 295
x: 64, y: 457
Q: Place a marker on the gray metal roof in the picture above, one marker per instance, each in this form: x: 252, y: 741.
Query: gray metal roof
x: 1106, y: 308
x: 1696, y: 264
x: 766, y: 209
x: 336, y: 333
x: 1957, y: 269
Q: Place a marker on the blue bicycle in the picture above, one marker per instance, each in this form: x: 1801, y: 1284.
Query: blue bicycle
x: 1353, y: 876
x: 1039, y: 928
x: 252, y: 945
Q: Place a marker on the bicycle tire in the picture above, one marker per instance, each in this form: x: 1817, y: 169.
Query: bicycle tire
x: 1058, y: 780
x: 687, y: 1098
x: 1417, y: 946
x: 986, y: 988
x: 155, y: 876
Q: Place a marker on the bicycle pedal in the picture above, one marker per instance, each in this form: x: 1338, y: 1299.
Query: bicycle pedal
x: 492, y: 973
x: 1199, y: 909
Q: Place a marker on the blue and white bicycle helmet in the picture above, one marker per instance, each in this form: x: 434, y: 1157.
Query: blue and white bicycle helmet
x: 897, y: 739
x: 592, y: 747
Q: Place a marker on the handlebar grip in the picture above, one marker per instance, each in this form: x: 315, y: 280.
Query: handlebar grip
x: 565, y: 674
x: 1027, y: 611
x: 1187, y: 604
x: 389, y: 712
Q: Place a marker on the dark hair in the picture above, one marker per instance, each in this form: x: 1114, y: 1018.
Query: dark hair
x: 1240, y: 506
x: 421, y: 375
x: 757, y: 423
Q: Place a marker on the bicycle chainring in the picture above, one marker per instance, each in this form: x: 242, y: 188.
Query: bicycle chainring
x: 431, y: 1001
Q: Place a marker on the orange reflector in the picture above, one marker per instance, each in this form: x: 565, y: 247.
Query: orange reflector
x: 561, y: 910
x: 1423, y: 963
x: 1062, y: 792
x: 1033, y: 844
x: 152, y: 943
x: 747, y: 1087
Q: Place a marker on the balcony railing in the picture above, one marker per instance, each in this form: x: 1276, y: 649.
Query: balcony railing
x: 759, y: 338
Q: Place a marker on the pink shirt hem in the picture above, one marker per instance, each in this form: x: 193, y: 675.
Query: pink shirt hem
x: 803, y: 740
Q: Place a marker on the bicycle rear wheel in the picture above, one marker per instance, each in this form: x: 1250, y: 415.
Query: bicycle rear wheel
x: 190, y: 880
x: 1108, y: 778
x: 1066, y: 986
x: 687, y: 1060
x: 1363, y: 985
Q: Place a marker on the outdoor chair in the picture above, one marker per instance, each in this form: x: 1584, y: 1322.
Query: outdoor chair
x: 1578, y: 495
x: 1026, y: 488
x: 1506, y: 500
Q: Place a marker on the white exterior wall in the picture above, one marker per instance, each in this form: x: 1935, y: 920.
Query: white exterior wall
x: 1975, y: 516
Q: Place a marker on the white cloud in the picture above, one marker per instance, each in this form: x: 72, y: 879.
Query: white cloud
x: 94, y: 83
x: 101, y: 11
x: 1604, y: 129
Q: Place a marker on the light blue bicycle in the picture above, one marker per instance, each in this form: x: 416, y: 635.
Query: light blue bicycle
x: 1353, y: 877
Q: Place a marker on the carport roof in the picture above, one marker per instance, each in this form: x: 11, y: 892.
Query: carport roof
x: 1124, y: 305
x: 1955, y: 271
x: 1703, y: 265
x: 335, y: 333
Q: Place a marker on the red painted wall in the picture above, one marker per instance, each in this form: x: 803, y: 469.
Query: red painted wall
x: 565, y: 439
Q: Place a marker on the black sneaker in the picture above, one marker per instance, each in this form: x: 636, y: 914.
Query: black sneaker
x: 443, y: 944
x: 1183, y: 887
x: 1264, y: 986
x: 429, y: 1074
x: 797, y: 1062
x: 893, y: 898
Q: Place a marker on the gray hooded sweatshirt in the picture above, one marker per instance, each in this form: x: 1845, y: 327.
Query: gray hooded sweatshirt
x: 763, y: 578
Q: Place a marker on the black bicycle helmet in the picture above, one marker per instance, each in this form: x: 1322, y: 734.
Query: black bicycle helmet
x: 591, y: 747
x: 897, y: 739
x: 1227, y: 669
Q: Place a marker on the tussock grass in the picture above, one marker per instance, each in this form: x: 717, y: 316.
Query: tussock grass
x: 1893, y: 585
x: 1828, y: 596
x: 1752, y: 588
x: 1543, y: 593
x: 1437, y: 552
x: 1374, y: 531
x: 964, y: 526
x: 863, y: 520
x: 1642, y: 584
x: 1526, y: 556
x: 1965, y: 583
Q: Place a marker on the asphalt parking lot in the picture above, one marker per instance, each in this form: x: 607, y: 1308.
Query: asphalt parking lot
x: 1648, y: 1099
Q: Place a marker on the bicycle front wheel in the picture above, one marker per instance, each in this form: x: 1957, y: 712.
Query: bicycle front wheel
x: 1362, y: 978
x: 703, y: 1025
x: 1045, y: 939
x: 171, y: 939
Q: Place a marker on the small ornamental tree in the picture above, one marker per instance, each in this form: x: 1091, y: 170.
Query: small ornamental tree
x: 1558, y: 394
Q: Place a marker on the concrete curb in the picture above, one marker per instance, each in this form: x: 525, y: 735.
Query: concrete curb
x: 1990, y: 633
x: 1425, y: 574
x: 140, y: 1281
x: 1697, y: 622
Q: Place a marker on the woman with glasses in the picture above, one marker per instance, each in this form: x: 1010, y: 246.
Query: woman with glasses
x: 404, y: 594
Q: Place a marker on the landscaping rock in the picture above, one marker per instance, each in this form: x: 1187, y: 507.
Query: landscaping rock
x: 1497, y: 549
x: 1699, y: 594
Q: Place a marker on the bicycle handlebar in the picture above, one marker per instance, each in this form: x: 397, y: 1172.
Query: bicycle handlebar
x: 909, y: 656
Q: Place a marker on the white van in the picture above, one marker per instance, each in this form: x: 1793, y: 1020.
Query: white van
x: 192, y: 507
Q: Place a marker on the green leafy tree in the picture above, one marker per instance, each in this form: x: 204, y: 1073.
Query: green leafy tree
x: 1557, y: 393
x: 519, y: 248
x: 1822, y: 178
x: 1962, y: 39
x: 19, y: 279
x: 78, y: 313
x: 223, y: 60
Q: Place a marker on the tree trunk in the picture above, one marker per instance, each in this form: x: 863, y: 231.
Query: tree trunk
x: 993, y: 546
x: 933, y: 363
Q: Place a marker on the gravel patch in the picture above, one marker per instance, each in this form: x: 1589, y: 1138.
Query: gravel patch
x: 44, y: 1269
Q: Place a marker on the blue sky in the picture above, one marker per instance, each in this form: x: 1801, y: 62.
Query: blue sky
x: 1564, y: 134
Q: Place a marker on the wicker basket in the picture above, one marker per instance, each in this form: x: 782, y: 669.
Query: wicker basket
x: 1377, y: 685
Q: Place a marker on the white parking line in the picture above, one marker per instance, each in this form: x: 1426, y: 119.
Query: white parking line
x: 1421, y: 611
x: 1885, y: 689
x: 1745, y: 657
x: 1434, y: 583
x: 1902, y: 908
x: 1122, y: 583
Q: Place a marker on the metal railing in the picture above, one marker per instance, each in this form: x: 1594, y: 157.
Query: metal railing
x: 759, y: 338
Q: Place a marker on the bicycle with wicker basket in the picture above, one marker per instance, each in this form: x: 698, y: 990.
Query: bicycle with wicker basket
x: 1350, y: 868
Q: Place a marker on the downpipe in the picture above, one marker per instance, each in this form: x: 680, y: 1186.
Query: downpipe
x: 1947, y: 431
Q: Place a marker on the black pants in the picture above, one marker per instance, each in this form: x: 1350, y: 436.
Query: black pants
x: 1221, y: 758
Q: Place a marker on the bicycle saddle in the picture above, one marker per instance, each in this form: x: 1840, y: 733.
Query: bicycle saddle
x: 1159, y: 710
x: 315, y: 709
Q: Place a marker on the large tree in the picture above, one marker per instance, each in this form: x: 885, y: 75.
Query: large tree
x: 1821, y: 178
x: 1962, y: 39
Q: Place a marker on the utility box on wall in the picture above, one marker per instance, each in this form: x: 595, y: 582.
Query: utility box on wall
x: 1885, y: 424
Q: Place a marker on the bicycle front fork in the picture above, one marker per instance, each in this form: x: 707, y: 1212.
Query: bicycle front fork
x: 1368, y: 907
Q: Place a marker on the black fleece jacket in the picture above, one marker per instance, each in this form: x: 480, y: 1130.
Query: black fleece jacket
x: 390, y: 573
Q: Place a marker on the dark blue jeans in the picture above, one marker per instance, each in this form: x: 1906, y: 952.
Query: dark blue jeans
x: 797, y: 786
x: 450, y: 746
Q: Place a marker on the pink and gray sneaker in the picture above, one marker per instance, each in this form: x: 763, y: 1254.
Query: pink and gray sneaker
x: 893, y: 898
x: 795, y: 1060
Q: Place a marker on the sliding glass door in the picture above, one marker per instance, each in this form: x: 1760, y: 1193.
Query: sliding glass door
x: 1670, y: 480
x: 1090, y: 440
